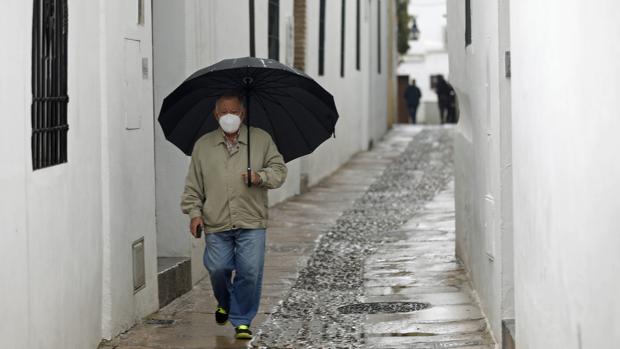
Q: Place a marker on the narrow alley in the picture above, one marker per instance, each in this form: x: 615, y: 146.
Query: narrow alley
x: 426, y: 173
x: 364, y: 259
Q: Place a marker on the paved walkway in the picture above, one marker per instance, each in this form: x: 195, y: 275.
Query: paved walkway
x: 415, y: 263
x: 418, y: 265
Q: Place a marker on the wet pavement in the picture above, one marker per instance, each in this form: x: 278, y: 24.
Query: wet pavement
x: 350, y: 262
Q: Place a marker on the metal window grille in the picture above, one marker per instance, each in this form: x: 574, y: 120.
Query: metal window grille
x: 342, y: 36
x: 252, y: 28
x: 49, y: 83
x: 357, y: 36
x: 467, y: 23
x: 322, y: 37
x: 379, y: 37
x: 299, y: 60
x: 274, y: 29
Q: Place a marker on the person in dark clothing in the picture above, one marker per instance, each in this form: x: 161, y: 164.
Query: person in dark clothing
x: 412, y: 97
x: 446, y: 100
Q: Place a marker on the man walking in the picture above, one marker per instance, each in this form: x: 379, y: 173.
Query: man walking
x: 233, y: 215
x: 412, y: 97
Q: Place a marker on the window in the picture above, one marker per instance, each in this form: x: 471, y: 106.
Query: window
x: 467, y: 23
x: 322, y: 37
x: 342, y: 36
x: 49, y: 83
x: 299, y: 60
x: 379, y: 36
x: 357, y: 36
x: 252, y: 38
x: 274, y: 29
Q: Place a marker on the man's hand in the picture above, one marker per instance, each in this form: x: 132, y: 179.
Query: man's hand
x: 193, y: 225
x: 255, y: 178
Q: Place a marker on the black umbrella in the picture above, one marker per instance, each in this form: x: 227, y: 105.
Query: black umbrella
x: 296, y: 111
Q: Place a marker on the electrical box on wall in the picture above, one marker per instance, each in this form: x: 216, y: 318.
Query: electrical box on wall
x: 139, y: 274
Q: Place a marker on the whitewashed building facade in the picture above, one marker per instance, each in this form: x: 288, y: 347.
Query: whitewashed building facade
x: 90, y: 196
x: 537, y: 174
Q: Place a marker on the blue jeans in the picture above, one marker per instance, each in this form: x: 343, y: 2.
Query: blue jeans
x: 241, y: 250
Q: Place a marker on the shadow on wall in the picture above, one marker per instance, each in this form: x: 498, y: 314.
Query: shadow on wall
x: 463, y: 119
x: 464, y: 184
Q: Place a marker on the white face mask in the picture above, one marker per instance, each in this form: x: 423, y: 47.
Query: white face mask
x: 230, y: 123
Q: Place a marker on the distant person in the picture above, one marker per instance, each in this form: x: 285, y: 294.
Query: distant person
x: 412, y: 97
x: 446, y: 100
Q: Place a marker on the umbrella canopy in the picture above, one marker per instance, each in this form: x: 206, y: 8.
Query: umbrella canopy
x: 295, y: 110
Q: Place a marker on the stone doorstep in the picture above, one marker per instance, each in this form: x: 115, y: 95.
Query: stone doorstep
x: 174, y: 278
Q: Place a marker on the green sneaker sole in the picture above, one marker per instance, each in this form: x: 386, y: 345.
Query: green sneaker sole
x: 243, y: 336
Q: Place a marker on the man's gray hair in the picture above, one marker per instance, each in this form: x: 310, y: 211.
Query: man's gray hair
x: 239, y: 97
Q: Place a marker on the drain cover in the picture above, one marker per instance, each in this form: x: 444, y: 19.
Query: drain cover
x: 382, y: 307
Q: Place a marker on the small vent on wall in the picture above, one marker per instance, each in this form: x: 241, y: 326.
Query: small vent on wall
x: 137, y: 251
x: 507, y: 64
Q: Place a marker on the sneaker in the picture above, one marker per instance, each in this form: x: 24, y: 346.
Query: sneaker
x: 243, y: 332
x: 221, y: 316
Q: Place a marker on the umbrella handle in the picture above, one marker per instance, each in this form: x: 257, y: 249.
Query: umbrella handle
x: 247, y: 114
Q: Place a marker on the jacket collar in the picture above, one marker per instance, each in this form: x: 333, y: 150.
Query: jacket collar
x: 219, y: 135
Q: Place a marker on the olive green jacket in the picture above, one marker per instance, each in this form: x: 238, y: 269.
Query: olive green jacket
x: 214, y: 187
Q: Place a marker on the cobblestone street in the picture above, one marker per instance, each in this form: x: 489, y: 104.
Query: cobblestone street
x: 364, y: 259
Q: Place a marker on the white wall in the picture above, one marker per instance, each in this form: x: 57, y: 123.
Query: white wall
x: 507, y: 198
x: 170, y: 57
x: 476, y: 73
x: 566, y: 172
x: 128, y: 163
x: 378, y: 97
x: 67, y: 229
x: 557, y: 122
x: 51, y: 223
x: 15, y: 97
x: 359, y: 114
